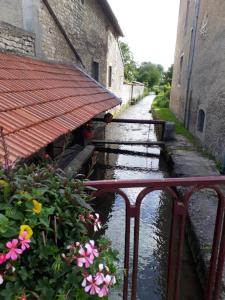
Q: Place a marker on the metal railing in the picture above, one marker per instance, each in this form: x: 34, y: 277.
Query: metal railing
x: 179, y: 216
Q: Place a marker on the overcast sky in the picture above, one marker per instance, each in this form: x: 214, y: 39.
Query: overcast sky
x: 149, y: 27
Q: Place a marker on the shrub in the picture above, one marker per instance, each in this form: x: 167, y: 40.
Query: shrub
x: 47, y: 229
x: 163, y: 98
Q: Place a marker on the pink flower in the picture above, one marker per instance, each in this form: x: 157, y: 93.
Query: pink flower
x: 13, y: 253
x: 1, y: 279
x: 84, y: 282
x: 113, y: 281
x: 91, y: 249
x: 24, y: 242
x: 85, y: 258
x: 92, y: 288
x: 97, y: 223
x: 105, y: 290
x: 82, y: 218
x: 2, y: 258
x: 99, y: 277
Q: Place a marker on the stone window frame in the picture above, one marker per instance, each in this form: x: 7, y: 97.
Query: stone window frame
x: 95, y: 69
x: 201, y: 124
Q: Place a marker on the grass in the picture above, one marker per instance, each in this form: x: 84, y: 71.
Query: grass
x: 166, y: 115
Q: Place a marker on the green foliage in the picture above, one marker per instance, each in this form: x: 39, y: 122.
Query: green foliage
x: 150, y: 74
x: 130, y: 67
x: 47, y: 202
x: 163, y: 97
x: 167, y: 76
x: 167, y: 115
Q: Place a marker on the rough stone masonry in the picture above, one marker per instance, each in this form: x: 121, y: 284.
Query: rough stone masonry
x: 16, y: 40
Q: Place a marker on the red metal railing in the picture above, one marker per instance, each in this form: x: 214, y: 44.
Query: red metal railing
x: 179, y: 214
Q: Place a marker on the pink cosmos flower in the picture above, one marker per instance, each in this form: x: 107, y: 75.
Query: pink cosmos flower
x: 2, y: 258
x: 1, y: 279
x: 85, y: 258
x: 24, y: 242
x: 91, y: 249
x: 99, y: 277
x: 13, y: 252
x: 92, y: 287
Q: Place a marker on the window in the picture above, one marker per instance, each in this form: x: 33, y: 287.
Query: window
x: 82, y: 2
x: 181, y: 68
x: 95, y: 70
x: 201, y: 120
x: 110, y: 76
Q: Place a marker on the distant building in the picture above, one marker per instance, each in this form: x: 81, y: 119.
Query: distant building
x: 83, y: 32
x: 198, y: 87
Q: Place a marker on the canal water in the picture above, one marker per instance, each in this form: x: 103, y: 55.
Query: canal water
x: 155, y: 212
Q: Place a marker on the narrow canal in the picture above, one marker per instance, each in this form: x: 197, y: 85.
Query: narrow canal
x: 155, y: 213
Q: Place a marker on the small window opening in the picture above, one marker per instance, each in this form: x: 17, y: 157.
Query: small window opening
x: 95, y: 70
x: 82, y: 2
x: 181, y: 69
x: 201, y: 120
x: 110, y: 77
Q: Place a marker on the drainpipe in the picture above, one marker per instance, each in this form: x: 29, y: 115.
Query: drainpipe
x: 58, y: 23
x: 190, y: 61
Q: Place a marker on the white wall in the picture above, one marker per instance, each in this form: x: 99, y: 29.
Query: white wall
x: 131, y: 91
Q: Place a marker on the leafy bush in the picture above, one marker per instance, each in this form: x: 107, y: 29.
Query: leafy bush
x: 47, y: 250
x: 163, y: 97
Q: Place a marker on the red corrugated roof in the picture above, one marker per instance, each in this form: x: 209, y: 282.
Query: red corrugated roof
x: 40, y: 101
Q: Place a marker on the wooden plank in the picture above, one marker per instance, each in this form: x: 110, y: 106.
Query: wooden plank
x: 128, y: 152
x: 132, y: 143
x: 133, y: 121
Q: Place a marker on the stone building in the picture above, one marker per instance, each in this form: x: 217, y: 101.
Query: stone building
x: 84, y: 32
x: 198, y: 87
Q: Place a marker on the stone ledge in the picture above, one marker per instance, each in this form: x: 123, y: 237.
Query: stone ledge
x: 188, y: 162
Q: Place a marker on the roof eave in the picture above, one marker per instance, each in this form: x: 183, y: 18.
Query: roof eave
x: 108, y: 10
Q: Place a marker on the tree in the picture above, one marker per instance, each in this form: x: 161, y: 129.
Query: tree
x: 167, y: 76
x: 130, y: 67
x: 149, y: 73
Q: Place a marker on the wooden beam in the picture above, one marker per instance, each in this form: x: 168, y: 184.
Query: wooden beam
x: 128, y: 152
x: 132, y: 143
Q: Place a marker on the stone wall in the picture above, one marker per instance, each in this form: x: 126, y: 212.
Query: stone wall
x: 16, y: 40
x: 206, y: 78
x: 86, y: 25
x: 52, y: 42
x: 11, y: 12
x: 114, y: 60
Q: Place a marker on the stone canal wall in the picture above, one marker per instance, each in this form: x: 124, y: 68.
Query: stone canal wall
x: 187, y: 161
